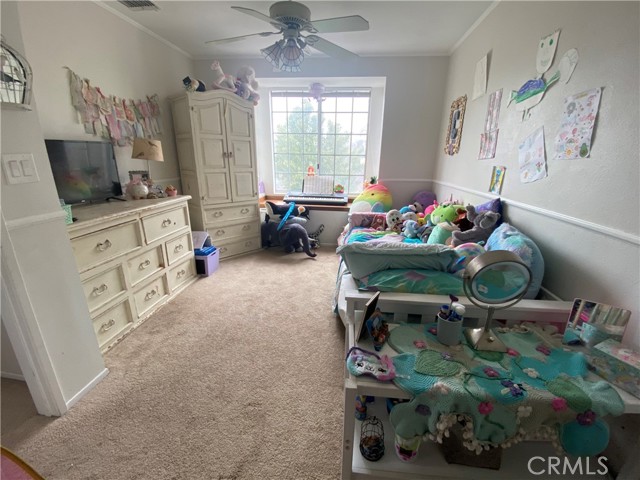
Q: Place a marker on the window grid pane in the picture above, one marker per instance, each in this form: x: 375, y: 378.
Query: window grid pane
x: 339, y: 150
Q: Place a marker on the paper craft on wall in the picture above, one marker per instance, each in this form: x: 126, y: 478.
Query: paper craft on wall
x: 108, y: 116
x: 497, y: 176
x: 574, y: 136
x: 531, y: 93
x: 568, y: 64
x: 532, y: 158
x: 489, y: 138
x: 480, y: 79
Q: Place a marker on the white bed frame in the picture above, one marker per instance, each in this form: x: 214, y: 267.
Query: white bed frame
x: 421, y: 307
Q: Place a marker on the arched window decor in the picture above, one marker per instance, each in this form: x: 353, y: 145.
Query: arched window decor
x: 15, y: 80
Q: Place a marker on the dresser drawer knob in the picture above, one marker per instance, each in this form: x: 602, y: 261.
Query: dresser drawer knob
x: 244, y: 211
x: 178, y: 248
x: 166, y: 222
x: 144, y: 264
x: 220, y: 232
x: 246, y: 227
x: 103, y: 245
x: 100, y: 290
x: 181, y: 273
x: 151, y: 294
x: 223, y: 249
x: 107, y: 325
x: 218, y: 214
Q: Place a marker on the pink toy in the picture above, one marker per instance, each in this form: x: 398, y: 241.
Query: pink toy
x: 222, y: 81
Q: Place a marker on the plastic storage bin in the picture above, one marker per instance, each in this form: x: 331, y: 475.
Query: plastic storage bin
x: 206, y: 255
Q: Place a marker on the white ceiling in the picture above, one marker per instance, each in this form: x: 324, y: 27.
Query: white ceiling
x: 412, y: 28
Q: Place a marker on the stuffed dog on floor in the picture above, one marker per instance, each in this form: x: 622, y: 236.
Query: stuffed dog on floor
x: 292, y: 236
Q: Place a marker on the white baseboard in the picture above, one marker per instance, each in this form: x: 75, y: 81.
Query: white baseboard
x: 12, y: 376
x: 73, y: 400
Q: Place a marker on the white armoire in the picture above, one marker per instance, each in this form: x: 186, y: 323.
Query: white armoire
x: 215, y: 141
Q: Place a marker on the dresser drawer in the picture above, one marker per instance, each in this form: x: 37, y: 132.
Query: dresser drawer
x: 232, y: 213
x: 150, y: 294
x: 179, y: 247
x: 104, y: 245
x: 243, y: 230
x: 112, y: 323
x: 103, y: 288
x: 230, y: 249
x: 145, y: 265
x: 181, y: 273
x: 162, y: 224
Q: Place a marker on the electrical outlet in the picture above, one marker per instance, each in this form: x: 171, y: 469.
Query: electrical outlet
x: 20, y: 168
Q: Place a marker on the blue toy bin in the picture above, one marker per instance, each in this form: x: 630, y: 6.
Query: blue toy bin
x: 206, y: 255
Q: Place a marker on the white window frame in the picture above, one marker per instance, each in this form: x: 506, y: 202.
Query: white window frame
x: 264, y: 135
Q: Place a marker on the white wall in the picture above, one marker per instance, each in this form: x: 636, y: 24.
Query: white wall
x: 115, y: 56
x: 412, y: 111
x: 585, y: 214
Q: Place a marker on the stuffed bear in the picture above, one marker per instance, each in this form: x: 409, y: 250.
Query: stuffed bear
x: 193, y: 85
x: 483, y: 225
x: 222, y: 81
x: 394, y: 220
x: 247, y: 85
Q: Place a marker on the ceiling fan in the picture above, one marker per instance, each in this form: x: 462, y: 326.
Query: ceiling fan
x: 291, y: 19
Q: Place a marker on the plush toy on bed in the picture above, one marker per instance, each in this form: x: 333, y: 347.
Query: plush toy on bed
x: 484, y: 223
x: 465, y: 252
x: 394, y: 220
x: 374, y: 198
x: 222, y: 81
x: 424, y: 199
x: 445, y: 212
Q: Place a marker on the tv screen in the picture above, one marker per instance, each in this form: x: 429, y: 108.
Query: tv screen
x: 84, y: 172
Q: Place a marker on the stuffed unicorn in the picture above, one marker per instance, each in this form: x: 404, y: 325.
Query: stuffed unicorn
x: 221, y: 80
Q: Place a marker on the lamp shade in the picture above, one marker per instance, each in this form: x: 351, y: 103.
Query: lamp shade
x: 146, y: 149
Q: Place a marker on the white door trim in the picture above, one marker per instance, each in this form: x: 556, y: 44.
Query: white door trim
x: 25, y: 336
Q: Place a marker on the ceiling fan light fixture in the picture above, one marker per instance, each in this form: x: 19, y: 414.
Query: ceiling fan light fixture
x: 292, y: 55
x: 272, y: 53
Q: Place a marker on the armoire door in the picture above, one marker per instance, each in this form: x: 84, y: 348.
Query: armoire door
x: 241, y: 153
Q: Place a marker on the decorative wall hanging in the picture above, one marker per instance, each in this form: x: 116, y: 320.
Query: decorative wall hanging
x: 117, y: 119
x: 454, y: 132
x: 532, y: 157
x: 573, y: 139
x: 480, y: 78
x: 531, y: 93
x: 15, y: 77
x: 497, y: 176
x: 489, y: 138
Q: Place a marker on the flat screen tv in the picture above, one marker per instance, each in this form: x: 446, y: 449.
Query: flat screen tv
x: 84, y: 172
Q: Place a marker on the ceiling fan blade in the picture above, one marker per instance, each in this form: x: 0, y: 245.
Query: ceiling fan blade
x: 329, y: 48
x: 353, y: 23
x: 261, y: 16
x: 241, y: 37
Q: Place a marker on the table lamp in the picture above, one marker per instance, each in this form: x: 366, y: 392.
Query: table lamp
x: 492, y: 281
x: 147, y: 149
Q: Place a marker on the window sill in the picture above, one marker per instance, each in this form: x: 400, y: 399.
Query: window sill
x: 326, y: 208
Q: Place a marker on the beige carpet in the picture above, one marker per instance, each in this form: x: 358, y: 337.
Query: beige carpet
x: 240, y: 377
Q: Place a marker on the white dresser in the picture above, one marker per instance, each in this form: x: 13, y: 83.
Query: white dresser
x: 132, y: 257
x: 215, y: 140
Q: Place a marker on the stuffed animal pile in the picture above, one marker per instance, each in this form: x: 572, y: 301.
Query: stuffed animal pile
x: 284, y: 226
x: 244, y: 84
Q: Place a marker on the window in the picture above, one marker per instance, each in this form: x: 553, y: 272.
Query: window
x: 328, y: 134
x: 337, y: 134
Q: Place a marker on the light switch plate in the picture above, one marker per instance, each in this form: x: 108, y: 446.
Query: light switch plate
x: 19, y: 168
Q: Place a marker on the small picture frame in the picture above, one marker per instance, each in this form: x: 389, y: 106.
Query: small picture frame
x: 495, y: 186
x: 456, y: 119
x: 142, y: 175
x: 370, y: 309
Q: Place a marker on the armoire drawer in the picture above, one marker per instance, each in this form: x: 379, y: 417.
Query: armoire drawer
x: 182, y: 272
x: 112, y: 323
x: 239, y: 247
x: 243, y: 230
x: 179, y: 247
x: 162, y: 224
x: 104, y: 245
x: 150, y: 294
x: 232, y: 213
x: 103, y: 288
x: 146, y: 264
